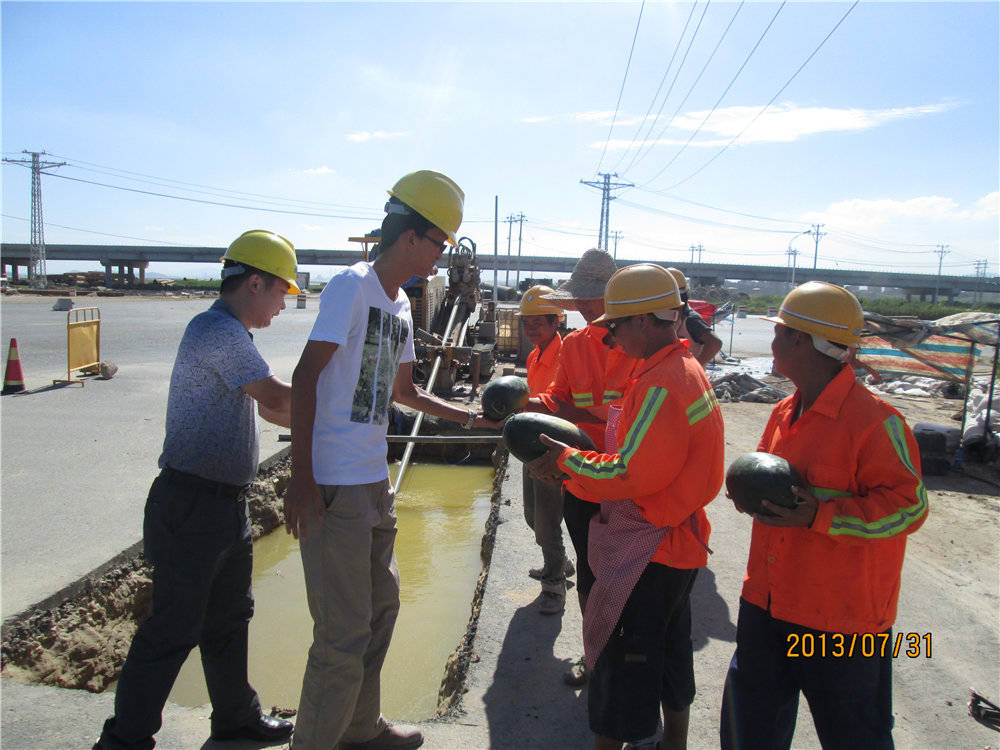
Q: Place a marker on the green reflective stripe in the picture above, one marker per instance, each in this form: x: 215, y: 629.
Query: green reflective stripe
x: 901, y: 519
x: 702, y: 407
x: 823, y: 493
x: 608, y: 469
x: 610, y: 396
x: 583, y: 399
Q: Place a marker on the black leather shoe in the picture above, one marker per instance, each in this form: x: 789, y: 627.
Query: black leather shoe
x: 264, y: 729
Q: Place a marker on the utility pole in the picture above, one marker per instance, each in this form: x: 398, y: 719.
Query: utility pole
x: 793, y: 259
x: 617, y: 236
x: 520, y: 230
x: 941, y: 252
x: 510, y: 230
x: 816, y: 235
x: 606, y: 186
x: 36, y: 269
x: 700, y: 251
x: 980, y: 275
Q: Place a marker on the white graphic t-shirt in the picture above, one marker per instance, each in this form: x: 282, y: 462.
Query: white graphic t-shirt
x: 373, y: 335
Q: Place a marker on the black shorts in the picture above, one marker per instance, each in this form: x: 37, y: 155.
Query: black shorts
x: 648, y: 659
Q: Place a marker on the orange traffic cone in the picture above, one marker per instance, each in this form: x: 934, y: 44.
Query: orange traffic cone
x: 13, y: 379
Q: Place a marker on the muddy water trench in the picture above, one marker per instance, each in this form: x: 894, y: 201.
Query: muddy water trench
x: 442, y: 511
x: 447, y: 517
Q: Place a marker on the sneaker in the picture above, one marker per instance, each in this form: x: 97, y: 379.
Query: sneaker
x: 393, y: 737
x: 577, y: 675
x: 552, y: 600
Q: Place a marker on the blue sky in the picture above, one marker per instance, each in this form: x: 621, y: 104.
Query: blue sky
x: 888, y: 136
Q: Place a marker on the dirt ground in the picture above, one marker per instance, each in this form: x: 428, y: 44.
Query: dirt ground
x: 950, y: 590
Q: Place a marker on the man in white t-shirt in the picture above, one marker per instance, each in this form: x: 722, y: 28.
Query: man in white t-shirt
x: 339, y: 504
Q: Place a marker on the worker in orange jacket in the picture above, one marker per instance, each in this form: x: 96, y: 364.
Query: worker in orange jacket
x: 822, y: 582
x: 543, y: 500
x: 652, y: 533
x: 591, y: 374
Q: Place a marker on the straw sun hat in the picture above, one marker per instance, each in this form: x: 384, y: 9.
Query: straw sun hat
x: 590, y: 276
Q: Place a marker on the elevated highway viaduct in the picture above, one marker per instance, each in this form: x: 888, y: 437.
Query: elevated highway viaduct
x: 122, y: 261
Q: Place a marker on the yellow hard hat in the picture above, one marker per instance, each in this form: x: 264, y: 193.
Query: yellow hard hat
x: 680, y: 278
x: 533, y: 304
x: 825, y: 310
x: 266, y: 251
x: 435, y: 197
x: 637, y: 289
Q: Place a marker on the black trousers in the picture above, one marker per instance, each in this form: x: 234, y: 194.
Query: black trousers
x: 577, y: 514
x: 199, y: 542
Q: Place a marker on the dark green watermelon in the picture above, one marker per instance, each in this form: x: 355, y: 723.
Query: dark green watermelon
x: 520, y: 434
x: 504, y: 396
x: 754, y: 477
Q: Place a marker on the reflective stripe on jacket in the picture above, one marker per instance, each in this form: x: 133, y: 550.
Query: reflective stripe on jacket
x: 670, y: 458
x: 860, y: 459
x: 590, y: 375
x: 542, y: 366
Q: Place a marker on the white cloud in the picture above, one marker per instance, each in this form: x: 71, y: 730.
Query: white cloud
x: 789, y: 122
x: 319, y: 170
x: 987, y: 206
x: 782, y: 123
x: 366, y: 135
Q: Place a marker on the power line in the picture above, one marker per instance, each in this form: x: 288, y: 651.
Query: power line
x: 721, y: 96
x: 765, y: 107
x: 621, y: 90
x: 216, y: 203
x: 92, y: 231
x: 659, y: 88
x: 652, y: 142
x: 606, y: 186
x: 116, y: 171
x: 708, y: 222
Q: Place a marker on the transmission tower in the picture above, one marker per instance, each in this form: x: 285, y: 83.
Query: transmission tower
x: 36, y: 269
x: 606, y: 186
x: 981, y: 266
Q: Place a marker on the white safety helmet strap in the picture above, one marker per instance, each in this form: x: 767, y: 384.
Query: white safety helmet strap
x: 823, y: 346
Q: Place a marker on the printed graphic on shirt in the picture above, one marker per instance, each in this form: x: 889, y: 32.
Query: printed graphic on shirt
x: 383, y: 347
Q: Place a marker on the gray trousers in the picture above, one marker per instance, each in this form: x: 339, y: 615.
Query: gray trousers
x: 543, y: 512
x: 352, y: 585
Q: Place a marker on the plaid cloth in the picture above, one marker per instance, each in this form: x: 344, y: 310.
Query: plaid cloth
x: 620, y: 546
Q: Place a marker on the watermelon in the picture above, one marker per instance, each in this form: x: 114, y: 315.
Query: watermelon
x: 754, y: 477
x: 504, y: 396
x: 520, y: 435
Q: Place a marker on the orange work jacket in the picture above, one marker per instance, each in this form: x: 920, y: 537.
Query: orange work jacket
x: 860, y: 459
x: 590, y: 375
x: 542, y: 366
x: 670, y: 460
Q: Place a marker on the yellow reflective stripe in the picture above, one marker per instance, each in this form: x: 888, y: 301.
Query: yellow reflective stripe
x: 610, y: 396
x: 702, y: 407
x: 608, y: 469
x: 583, y: 399
x: 901, y: 519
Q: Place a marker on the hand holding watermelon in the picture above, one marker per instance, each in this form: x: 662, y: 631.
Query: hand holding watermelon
x: 771, y: 490
x: 545, y: 468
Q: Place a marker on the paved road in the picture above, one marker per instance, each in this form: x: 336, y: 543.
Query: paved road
x: 77, y: 461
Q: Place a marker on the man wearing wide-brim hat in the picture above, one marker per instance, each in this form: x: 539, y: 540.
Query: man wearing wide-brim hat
x: 590, y: 376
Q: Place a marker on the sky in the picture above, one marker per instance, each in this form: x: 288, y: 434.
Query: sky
x: 736, y: 127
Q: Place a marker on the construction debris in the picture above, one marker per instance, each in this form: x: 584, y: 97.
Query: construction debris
x: 738, y: 386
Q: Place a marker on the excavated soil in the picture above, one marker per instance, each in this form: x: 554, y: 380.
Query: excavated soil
x: 82, y: 642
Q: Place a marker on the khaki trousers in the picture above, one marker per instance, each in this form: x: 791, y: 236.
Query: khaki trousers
x: 352, y: 585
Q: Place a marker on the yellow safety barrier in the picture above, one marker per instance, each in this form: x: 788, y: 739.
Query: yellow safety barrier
x: 83, y: 342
